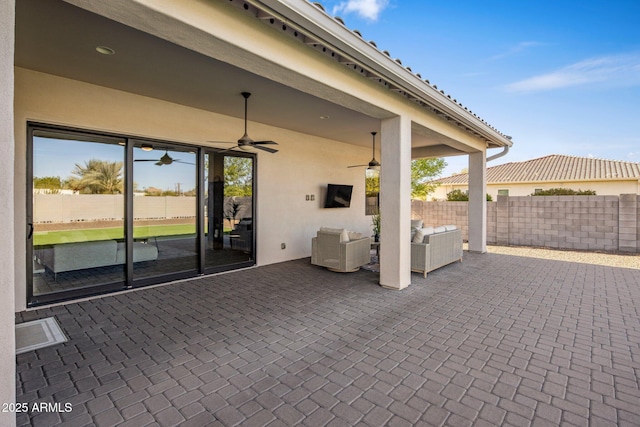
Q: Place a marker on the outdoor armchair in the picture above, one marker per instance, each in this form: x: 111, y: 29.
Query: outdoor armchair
x: 335, y: 250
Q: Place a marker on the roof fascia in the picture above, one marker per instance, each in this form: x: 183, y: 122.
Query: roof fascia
x: 316, y: 24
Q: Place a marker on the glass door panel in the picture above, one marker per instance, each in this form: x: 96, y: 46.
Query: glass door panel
x: 77, y: 212
x: 229, y: 213
x: 164, y: 210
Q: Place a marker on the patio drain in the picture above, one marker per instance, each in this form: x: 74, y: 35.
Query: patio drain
x: 38, y: 334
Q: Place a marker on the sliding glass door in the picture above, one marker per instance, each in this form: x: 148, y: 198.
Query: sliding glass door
x: 164, y: 210
x: 76, y: 213
x: 107, y: 212
x: 229, y: 209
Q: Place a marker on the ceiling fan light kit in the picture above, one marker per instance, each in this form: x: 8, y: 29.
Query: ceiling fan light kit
x: 373, y: 164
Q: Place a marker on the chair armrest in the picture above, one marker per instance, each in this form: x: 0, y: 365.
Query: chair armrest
x: 420, y: 257
x: 356, y: 253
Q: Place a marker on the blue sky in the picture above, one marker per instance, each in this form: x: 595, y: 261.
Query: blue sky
x: 560, y: 77
x: 56, y: 157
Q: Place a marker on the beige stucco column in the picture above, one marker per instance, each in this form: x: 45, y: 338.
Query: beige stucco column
x: 7, y: 319
x: 395, y: 203
x: 478, y: 202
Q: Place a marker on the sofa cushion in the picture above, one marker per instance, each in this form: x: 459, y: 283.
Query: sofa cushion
x: 450, y: 227
x: 344, y: 236
x: 331, y: 230
x: 440, y: 229
x: 421, y: 234
x: 416, y: 223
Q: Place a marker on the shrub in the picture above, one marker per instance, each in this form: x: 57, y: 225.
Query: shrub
x: 564, y: 192
x: 462, y: 196
x: 457, y: 196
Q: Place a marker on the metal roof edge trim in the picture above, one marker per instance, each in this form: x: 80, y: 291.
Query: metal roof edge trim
x: 316, y: 23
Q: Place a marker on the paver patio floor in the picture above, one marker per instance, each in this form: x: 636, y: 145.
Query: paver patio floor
x: 494, y: 340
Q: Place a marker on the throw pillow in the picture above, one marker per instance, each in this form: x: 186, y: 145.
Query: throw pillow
x: 421, y: 233
x: 354, y: 235
x: 450, y: 227
x: 344, y: 236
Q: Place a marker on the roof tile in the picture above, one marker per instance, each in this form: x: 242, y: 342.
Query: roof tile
x: 554, y: 167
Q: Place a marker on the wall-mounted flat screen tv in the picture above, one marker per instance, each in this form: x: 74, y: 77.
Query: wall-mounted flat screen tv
x: 338, y: 196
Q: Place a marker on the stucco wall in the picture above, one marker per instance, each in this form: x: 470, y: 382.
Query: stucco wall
x: 595, y: 223
x: 303, y: 166
x: 7, y: 260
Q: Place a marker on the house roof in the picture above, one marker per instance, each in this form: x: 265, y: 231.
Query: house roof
x: 555, y: 167
x: 192, y: 60
x: 320, y: 30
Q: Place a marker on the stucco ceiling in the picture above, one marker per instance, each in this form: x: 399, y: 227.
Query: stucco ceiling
x: 58, y: 38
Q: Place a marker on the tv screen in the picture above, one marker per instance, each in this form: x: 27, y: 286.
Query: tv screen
x: 338, y: 196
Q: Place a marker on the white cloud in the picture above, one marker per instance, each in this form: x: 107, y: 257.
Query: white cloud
x: 520, y: 47
x: 367, y: 9
x: 634, y: 156
x: 618, y: 70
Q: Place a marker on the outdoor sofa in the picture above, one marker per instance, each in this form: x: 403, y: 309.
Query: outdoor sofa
x: 81, y: 255
x: 432, y: 248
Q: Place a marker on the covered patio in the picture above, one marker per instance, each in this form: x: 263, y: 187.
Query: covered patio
x: 129, y: 74
x: 495, y: 340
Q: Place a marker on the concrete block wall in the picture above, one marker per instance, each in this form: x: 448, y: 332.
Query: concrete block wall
x: 434, y: 214
x: 567, y: 222
x: 595, y: 223
x: 628, y: 223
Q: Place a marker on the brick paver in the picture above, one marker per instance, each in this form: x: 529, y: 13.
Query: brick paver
x: 496, y: 339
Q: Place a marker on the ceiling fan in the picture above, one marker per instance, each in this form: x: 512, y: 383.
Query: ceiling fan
x: 166, y: 160
x: 373, y: 164
x: 245, y: 142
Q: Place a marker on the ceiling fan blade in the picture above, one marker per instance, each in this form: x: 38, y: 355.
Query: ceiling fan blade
x: 159, y: 163
x: 227, y: 150
x: 267, y: 149
x: 184, y: 163
x: 146, y: 160
x: 265, y: 143
x: 357, y: 166
x: 222, y: 142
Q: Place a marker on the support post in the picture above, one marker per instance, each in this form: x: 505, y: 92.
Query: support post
x: 7, y: 213
x: 395, y: 203
x: 478, y: 202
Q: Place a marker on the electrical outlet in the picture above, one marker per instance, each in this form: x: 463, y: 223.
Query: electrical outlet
x: 313, y: 197
x: 283, y: 246
x: 308, y: 197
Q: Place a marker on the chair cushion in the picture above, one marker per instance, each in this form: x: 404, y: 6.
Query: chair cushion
x: 416, y: 223
x: 450, y: 227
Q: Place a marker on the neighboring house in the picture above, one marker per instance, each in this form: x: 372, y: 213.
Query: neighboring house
x: 150, y: 85
x: 605, y: 177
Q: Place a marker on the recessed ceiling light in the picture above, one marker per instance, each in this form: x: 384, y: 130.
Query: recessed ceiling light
x: 324, y: 117
x: 105, y: 50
